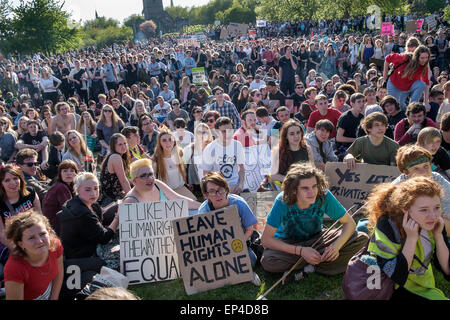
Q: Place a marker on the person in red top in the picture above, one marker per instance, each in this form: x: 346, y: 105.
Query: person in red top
x: 247, y: 133
x: 323, y: 112
x: 407, y: 130
x: 35, y: 269
x: 410, y: 74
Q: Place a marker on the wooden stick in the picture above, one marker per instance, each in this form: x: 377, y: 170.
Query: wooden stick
x: 263, y: 296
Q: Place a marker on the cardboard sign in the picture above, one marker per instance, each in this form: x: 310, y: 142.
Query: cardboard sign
x: 224, y: 34
x: 411, y: 26
x: 238, y: 29
x: 261, y: 23
x: 147, y: 247
x: 192, y: 42
x: 419, y: 24
x: 198, y: 75
x: 260, y: 203
x: 386, y: 29
x: 211, y: 250
x: 352, y: 187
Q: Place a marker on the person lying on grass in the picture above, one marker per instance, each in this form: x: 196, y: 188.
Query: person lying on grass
x: 408, y: 233
x: 296, y: 222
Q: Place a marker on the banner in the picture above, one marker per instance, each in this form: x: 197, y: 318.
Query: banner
x: 211, y: 250
x: 261, y: 23
x: 386, y: 29
x: 257, y: 164
x: 198, y: 75
x: 352, y: 187
x: 260, y: 203
x: 147, y: 248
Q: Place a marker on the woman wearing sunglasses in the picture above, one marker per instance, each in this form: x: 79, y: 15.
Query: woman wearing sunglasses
x: 195, y: 119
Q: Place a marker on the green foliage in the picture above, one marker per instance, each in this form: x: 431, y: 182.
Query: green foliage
x: 102, y: 37
x: 426, y: 6
x: 101, y: 23
x: 447, y: 13
x: 237, y: 13
x: 39, y: 26
x: 178, y: 12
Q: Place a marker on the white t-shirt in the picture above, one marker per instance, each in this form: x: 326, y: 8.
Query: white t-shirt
x: 188, y: 138
x: 224, y: 159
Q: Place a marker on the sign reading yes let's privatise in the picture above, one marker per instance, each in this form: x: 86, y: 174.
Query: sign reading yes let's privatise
x: 352, y: 187
x: 211, y: 250
x: 147, y: 248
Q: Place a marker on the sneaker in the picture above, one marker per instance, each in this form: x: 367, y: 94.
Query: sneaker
x: 295, y: 275
x: 256, y: 281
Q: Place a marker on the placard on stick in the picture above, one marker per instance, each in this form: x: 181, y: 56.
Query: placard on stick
x: 147, y: 248
x: 352, y: 187
x: 211, y: 250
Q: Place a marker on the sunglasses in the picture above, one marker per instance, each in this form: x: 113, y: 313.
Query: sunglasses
x: 146, y: 176
x: 110, y: 111
x: 175, y: 104
x: 211, y: 120
x: 31, y: 164
x: 299, y: 87
x: 178, y: 127
x: 198, y: 111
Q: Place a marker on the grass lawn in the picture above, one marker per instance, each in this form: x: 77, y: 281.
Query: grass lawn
x: 313, y: 287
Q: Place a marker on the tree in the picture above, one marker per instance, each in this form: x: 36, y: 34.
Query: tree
x: 40, y: 26
x: 148, y: 28
x: 101, y: 23
x: 178, y: 12
x: 133, y: 22
x: 237, y: 13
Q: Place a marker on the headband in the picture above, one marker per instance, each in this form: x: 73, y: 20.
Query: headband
x: 419, y: 160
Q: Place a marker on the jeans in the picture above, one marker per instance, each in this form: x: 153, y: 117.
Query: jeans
x: 416, y: 90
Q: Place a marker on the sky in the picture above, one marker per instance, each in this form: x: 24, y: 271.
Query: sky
x: 117, y: 9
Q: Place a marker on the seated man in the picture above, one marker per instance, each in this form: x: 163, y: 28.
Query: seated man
x: 64, y: 120
x: 323, y: 112
x: 35, y: 139
x: 295, y: 223
x: 321, y: 145
x: 407, y: 130
x: 27, y: 161
x: 430, y: 138
x: 436, y: 98
x: 184, y: 137
x: 248, y: 133
x: 375, y: 148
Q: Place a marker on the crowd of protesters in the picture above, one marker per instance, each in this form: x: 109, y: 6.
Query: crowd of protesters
x: 84, y: 129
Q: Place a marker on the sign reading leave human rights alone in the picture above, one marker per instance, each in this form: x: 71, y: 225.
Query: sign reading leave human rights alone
x: 147, y: 248
x: 211, y: 250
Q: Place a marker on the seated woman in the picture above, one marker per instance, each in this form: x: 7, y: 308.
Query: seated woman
x: 33, y: 272
x: 78, y: 152
x: 216, y: 191
x: 60, y: 192
x: 408, y: 232
x: 16, y: 197
x: 430, y: 138
x: 193, y: 154
x: 291, y: 148
x: 115, y: 170
x: 295, y: 223
x: 148, y: 189
x: 168, y: 164
x: 82, y: 228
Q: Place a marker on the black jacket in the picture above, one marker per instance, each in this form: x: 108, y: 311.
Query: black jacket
x: 82, y: 229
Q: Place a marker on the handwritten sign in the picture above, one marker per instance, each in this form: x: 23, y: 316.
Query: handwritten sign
x: 211, y: 250
x: 386, y: 29
x: 238, y: 29
x: 419, y: 24
x: 352, y: 187
x: 198, y: 75
x: 224, y: 34
x: 260, y: 203
x: 431, y: 22
x: 411, y: 26
x: 147, y: 247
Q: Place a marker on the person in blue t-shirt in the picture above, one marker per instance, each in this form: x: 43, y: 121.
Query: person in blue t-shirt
x: 216, y: 191
x: 296, y: 222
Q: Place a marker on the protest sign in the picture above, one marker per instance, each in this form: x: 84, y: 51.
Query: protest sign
x: 217, y: 22
x: 411, y: 26
x: 419, y: 24
x: 257, y: 163
x: 224, y: 34
x: 198, y: 75
x: 147, y: 248
x: 252, y: 33
x: 211, y: 250
x: 237, y: 29
x: 352, y: 187
x: 260, y: 203
x: 261, y: 23
x: 192, y: 42
x: 431, y: 22
x: 386, y: 29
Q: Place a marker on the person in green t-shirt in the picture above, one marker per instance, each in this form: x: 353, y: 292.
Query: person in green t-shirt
x: 296, y: 222
x: 375, y: 147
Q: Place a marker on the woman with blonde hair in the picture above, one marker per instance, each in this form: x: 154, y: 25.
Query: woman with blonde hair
x: 138, y: 110
x: 193, y: 154
x: 407, y: 232
x: 146, y: 188
x: 35, y: 270
x: 184, y: 89
x: 168, y: 164
x: 78, y: 152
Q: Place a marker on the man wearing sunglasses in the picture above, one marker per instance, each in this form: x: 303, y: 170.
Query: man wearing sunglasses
x: 27, y: 159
